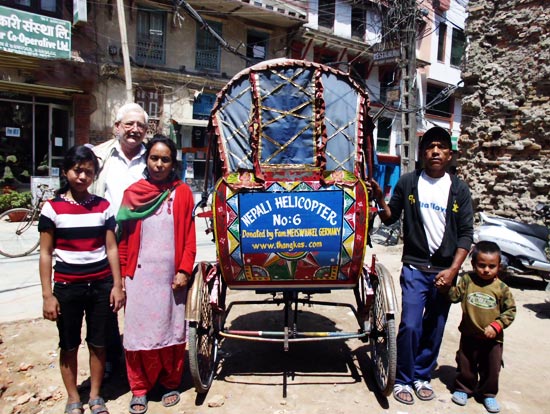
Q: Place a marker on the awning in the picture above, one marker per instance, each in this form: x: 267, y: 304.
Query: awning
x: 38, y: 90
x: 193, y: 122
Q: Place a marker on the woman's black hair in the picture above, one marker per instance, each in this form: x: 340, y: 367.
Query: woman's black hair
x: 163, y: 139
x: 75, y: 155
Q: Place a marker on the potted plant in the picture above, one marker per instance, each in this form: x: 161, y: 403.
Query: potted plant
x: 15, y: 199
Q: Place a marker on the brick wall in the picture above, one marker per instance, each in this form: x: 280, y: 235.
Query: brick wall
x: 82, y: 111
x: 505, y: 141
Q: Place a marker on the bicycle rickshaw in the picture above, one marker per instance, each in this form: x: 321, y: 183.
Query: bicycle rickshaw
x: 290, y: 151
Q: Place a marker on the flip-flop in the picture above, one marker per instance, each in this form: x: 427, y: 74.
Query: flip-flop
x: 70, y: 407
x: 399, y: 389
x: 168, y: 395
x: 423, y: 390
x: 99, y: 404
x: 141, y: 400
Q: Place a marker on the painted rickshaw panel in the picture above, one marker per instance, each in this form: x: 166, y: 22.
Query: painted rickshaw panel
x: 262, y: 237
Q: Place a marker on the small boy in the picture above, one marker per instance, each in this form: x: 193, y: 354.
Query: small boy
x: 488, y: 307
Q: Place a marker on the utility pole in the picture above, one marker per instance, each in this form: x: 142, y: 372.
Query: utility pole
x: 125, y: 50
x: 409, y: 142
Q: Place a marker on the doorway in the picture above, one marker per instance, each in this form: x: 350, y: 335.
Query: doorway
x: 34, y: 137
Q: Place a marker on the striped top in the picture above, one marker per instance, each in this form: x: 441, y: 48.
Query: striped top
x: 79, y: 237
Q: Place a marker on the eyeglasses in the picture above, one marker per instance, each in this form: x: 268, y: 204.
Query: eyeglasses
x: 130, y: 125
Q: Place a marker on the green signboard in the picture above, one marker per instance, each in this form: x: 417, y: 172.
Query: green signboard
x: 34, y: 35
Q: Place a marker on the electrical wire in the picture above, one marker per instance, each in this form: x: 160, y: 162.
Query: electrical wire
x: 397, y: 22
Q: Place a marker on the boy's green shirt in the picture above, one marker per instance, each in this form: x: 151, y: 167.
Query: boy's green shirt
x: 483, y: 302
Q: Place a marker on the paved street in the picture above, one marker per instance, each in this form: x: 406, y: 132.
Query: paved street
x: 20, y: 293
x: 335, y: 377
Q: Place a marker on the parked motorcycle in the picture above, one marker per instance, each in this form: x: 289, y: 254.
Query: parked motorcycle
x: 524, y: 246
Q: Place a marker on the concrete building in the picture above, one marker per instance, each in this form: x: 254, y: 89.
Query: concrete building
x: 54, y: 97
x: 366, y: 38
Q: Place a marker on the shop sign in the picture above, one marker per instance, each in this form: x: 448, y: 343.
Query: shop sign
x: 34, y: 35
x: 383, y: 56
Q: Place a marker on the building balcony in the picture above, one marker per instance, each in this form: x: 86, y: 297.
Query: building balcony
x: 267, y: 12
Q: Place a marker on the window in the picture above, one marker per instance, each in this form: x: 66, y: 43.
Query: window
x: 207, y: 56
x: 256, y: 45
x: 48, y: 7
x: 203, y: 105
x: 441, y: 42
x: 326, y: 13
x: 383, y: 135
x: 358, y: 22
x: 150, y: 99
x: 457, y: 47
x: 443, y: 108
x: 150, y: 37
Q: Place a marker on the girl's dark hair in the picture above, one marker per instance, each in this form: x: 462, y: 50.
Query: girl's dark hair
x: 163, y: 139
x: 77, y: 155
x: 485, y: 246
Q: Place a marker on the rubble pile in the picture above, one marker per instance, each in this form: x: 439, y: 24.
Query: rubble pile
x: 26, y: 384
x: 505, y: 146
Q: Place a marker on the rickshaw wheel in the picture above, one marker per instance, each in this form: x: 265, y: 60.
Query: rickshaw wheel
x: 203, y: 338
x: 383, y: 336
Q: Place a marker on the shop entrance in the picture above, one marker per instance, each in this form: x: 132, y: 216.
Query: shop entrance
x: 34, y: 136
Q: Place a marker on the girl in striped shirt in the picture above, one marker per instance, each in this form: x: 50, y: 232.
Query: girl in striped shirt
x: 78, y: 229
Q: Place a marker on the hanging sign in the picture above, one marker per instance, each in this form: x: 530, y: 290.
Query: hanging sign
x: 34, y: 35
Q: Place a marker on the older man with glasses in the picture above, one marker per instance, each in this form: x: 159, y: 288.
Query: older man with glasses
x: 122, y: 162
x: 122, y: 158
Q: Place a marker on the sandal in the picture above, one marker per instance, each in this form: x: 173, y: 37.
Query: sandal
x: 491, y: 405
x: 141, y: 401
x: 70, y: 407
x: 424, y: 390
x: 459, y: 397
x: 167, y: 396
x: 99, y: 404
x: 403, y: 393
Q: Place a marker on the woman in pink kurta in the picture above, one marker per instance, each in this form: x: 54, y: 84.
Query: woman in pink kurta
x: 157, y: 251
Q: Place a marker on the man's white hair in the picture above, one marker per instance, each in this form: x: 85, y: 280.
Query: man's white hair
x: 130, y: 107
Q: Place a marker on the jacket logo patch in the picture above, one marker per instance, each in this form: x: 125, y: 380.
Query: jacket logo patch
x: 482, y: 300
x: 455, y: 207
x: 411, y: 199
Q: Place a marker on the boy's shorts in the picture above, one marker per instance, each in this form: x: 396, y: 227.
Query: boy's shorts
x: 79, y: 299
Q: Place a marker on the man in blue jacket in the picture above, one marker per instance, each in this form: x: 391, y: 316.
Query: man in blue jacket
x: 437, y: 236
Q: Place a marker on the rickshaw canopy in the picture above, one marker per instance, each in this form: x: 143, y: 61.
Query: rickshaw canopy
x: 292, y: 116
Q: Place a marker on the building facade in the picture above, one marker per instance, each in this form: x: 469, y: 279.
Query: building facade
x: 180, y: 54
x: 368, y: 38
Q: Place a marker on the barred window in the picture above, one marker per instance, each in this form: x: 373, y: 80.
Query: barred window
x: 150, y: 37
x: 207, y: 56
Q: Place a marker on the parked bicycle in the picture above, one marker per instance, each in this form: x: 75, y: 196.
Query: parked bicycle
x: 381, y: 234
x: 19, y: 226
